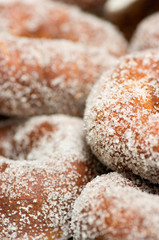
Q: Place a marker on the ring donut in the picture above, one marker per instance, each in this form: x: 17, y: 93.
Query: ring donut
x: 122, y: 116
x: 44, y: 165
x: 51, y: 54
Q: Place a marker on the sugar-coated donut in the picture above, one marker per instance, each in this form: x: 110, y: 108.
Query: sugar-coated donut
x: 115, y: 208
x: 37, y: 191
x: 44, y: 77
x: 122, y: 116
x: 47, y: 19
x: 51, y: 76
x: 146, y: 35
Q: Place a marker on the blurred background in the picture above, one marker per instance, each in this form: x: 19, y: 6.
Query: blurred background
x: 126, y: 14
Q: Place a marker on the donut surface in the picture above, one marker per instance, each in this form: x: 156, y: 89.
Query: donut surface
x: 146, y: 35
x: 55, y: 76
x: 47, y: 76
x: 47, y: 19
x: 122, y: 116
x: 44, y: 164
x: 115, y: 208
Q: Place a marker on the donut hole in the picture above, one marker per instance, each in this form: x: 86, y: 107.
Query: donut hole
x: 31, y: 29
x: 18, y: 145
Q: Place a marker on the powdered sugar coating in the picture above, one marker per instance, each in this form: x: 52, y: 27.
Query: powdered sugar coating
x: 37, y: 194
x: 47, y: 76
x: 147, y: 34
x: 112, y: 207
x: 47, y: 19
x: 86, y: 4
x: 114, y: 6
x: 122, y: 116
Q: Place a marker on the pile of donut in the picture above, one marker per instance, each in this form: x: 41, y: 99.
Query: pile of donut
x: 79, y: 123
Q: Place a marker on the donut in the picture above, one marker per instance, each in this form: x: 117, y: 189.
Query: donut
x: 51, y: 54
x: 115, y: 208
x: 44, y: 165
x: 146, y: 35
x: 39, y: 76
x: 122, y: 116
x: 46, y: 19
